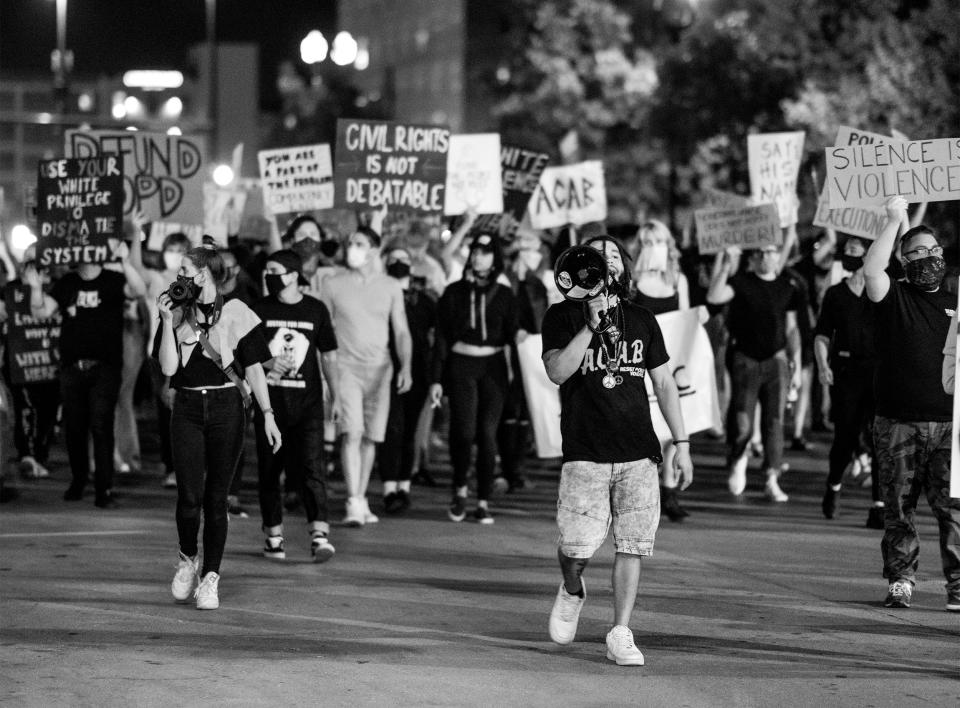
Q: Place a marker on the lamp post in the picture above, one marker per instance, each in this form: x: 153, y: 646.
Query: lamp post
x: 61, y: 59
x: 213, y: 88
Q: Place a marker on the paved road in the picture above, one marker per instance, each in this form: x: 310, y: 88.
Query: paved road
x: 745, y: 604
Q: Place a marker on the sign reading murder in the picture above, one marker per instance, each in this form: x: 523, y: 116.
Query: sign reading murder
x: 79, y: 206
x: 917, y: 170
x: 162, y: 174
x: 520, y: 171
x: 381, y: 163
x: 743, y: 227
x: 774, y: 163
x: 570, y: 194
x: 717, y: 198
x: 297, y: 179
x: 34, y: 344
x: 473, y: 175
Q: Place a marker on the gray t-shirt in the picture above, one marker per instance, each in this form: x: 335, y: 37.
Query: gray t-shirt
x: 360, y: 309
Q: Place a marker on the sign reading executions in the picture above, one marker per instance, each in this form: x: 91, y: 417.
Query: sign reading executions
x: 382, y: 163
x: 34, y: 344
x: 297, y: 179
x: 520, y: 171
x: 571, y: 194
x: 774, y: 163
x: 743, y: 227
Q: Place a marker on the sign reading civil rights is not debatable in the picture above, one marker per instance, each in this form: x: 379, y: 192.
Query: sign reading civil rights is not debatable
x: 381, y: 163
x: 79, y: 207
x: 571, y: 194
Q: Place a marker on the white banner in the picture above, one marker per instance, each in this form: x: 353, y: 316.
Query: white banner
x: 474, y: 175
x: 570, y: 194
x: 297, y: 179
x: 543, y: 398
x: 773, y: 160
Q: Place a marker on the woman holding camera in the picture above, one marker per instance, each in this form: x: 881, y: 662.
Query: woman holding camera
x: 206, y: 346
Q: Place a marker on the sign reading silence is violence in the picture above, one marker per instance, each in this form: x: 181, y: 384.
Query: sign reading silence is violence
x: 379, y: 163
x: 79, y: 207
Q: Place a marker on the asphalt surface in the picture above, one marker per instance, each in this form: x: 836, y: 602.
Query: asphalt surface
x: 746, y: 603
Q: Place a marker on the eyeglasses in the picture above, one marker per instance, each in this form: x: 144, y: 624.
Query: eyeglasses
x: 922, y: 252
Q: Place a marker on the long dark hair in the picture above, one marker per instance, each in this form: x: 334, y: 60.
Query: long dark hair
x: 291, y: 233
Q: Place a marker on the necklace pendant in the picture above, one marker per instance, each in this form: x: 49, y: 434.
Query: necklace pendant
x: 609, y: 381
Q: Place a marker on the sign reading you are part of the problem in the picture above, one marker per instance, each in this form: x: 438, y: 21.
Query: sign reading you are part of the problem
x: 297, y: 179
x: 79, y: 207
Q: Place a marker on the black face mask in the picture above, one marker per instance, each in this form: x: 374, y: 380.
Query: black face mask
x: 329, y: 248
x: 398, y: 269
x: 274, y: 282
x: 925, y: 273
x: 851, y: 264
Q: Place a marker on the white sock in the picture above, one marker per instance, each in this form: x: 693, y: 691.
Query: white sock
x: 404, y: 485
x: 879, y: 504
x: 835, y: 487
x: 389, y: 487
x: 462, y: 491
x: 482, y: 504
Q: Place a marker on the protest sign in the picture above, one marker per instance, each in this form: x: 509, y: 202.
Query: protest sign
x: 159, y: 230
x: 743, y: 227
x: 162, y: 173
x: 33, y: 344
x: 717, y: 198
x: 917, y: 170
x: 223, y: 210
x: 296, y: 179
x: 543, y: 398
x: 865, y: 221
x: 520, y: 174
x: 473, y: 175
x: 571, y: 194
x: 773, y: 160
x: 79, y: 207
x: 955, y: 445
x: 382, y: 163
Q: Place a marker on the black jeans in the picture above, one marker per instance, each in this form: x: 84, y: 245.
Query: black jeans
x: 396, y: 452
x: 851, y: 409
x: 89, y: 398
x: 753, y: 380
x: 477, y: 387
x: 301, y: 456
x: 35, y: 415
x: 163, y: 414
x: 208, y: 428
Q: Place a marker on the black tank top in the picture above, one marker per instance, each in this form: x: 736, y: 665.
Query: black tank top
x: 658, y: 305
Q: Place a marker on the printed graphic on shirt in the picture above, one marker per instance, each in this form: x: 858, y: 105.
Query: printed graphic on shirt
x: 289, y: 347
x: 630, y: 354
x: 88, y: 298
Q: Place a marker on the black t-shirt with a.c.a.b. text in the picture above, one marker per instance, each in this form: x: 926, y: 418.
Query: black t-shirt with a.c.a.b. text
x: 602, y: 424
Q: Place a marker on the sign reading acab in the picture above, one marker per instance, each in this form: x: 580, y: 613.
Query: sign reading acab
x: 569, y: 195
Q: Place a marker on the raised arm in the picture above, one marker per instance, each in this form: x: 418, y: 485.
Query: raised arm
x: 456, y: 240
x: 877, y: 259
x: 720, y: 292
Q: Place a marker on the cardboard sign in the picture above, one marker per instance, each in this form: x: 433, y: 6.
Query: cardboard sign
x: 223, y: 211
x: 382, y: 163
x: 162, y: 174
x: 520, y: 171
x: 865, y: 221
x: 743, y: 227
x: 473, y: 175
x: 853, y: 136
x: 717, y: 198
x: 917, y: 170
x: 296, y: 179
x: 33, y: 344
x: 774, y: 163
x: 79, y: 206
x: 571, y: 194
x: 159, y: 230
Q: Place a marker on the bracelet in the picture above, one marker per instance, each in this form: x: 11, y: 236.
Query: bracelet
x: 677, y: 442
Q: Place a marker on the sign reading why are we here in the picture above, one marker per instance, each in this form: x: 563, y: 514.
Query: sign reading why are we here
x: 744, y: 227
x: 569, y: 194
x: 380, y: 163
x: 33, y: 344
x: 297, y: 179
x: 774, y: 160
x: 520, y: 171
x: 473, y: 175
x: 917, y: 170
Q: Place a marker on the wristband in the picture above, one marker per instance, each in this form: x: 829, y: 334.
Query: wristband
x: 677, y: 442
x: 267, y: 410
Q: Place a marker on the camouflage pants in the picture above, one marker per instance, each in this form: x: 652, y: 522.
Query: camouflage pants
x: 914, y: 457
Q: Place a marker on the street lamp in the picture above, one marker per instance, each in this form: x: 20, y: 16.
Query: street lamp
x: 313, y: 48
x: 344, y: 50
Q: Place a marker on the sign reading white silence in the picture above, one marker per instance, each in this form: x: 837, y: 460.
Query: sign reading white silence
x: 773, y: 160
x: 297, y: 179
x: 742, y: 227
x: 473, y: 175
x: 569, y: 194
x: 918, y: 170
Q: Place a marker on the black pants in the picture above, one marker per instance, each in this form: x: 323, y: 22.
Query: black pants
x: 477, y: 387
x: 852, y: 410
x: 208, y: 427
x: 514, y: 427
x: 396, y: 452
x: 753, y: 380
x: 35, y: 415
x: 163, y: 414
x: 301, y: 456
x: 89, y: 399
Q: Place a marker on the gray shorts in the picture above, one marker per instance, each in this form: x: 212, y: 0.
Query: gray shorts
x: 364, y: 398
x: 594, y: 494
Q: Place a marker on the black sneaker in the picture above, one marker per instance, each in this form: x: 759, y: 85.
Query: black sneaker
x: 73, y: 494
x: 670, y: 505
x: 403, y: 498
x: 953, y: 599
x: 799, y: 444
x: 273, y: 548
x: 829, y: 504
x: 107, y: 501
x: 482, y: 516
x: 237, y: 511
x: 391, y: 503
x: 458, y: 509
x: 875, y: 518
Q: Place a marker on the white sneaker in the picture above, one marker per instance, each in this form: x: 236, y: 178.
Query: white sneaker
x: 273, y: 548
x: 621, y: 649
x: 565, y: 614
x: 170, y: 481
x: 368, y: 516
x: 737, y: 481
x: 355, y: 515
x: 207, y: 594
x: 185, y: 580
x: 773, y: 492
x: 321, y: 549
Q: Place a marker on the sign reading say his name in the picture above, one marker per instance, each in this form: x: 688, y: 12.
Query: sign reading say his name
x: 774, y: 163
x: 79, y: 206
x: 520, y: 171
x: 162, y: 174
x: 743, y: 227
x: 571, y: 194
x: 382, y: 163
x: 34, y: 344
x: 473, y: 175
x: 297, y: 179
x: 918, y: 170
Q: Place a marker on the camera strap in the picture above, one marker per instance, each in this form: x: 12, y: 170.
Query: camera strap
x: 230, y: 371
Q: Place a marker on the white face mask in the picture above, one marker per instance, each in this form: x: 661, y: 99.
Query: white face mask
x: 172, y: 260
x: 653, y: 257
x: 356, y: 256
x: 531, y: 259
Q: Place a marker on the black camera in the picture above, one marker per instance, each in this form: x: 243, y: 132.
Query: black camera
x: 182, y: 294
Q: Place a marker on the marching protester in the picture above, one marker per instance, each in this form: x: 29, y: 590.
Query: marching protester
x: 610, y: 450
x: 365, y: 305
x: 208, y: 347
x: 301, y: 341
x: 914, y: 414
x: 477, y: 320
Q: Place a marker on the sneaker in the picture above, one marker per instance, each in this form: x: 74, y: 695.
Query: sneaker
x: 391, y: 503
x: 829, y: 503
x: 321, y: 549
x: 565, y: 614
x: 404, y: 499
x: 773, y: 492
x: 122, y: 468
x: 875, y: 518
x: 799, y: 444
x: 185, y: 581
x: 500, y: 485
x: 737, y: 481
x: 273, y: 548
x: 354, y: 516
x: 621, y: 649
x: 953, y: 599
x: 235, y: 509
x: 170, y: 481
x: 106, y: 501
x: 670, y: 504
x: 457, y: 510
x: 482, y: 516
x: 31, y: 469
x: 756, y: 449
x: 208, y: 592
x: 898, y: 594
x: 368, y: 516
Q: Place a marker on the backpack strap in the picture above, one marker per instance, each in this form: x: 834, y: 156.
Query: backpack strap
x: 230, y: 371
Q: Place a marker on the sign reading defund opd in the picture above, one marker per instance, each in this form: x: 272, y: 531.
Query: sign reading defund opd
x: 743, y: 227
x: 162, y: 173
x: 296, y: 179
x: 569, y: 194
x: 381, y: 163
x: 79, y: 207
x: 774, y: 160
x: 520, y: 171
x: 918, y: 170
